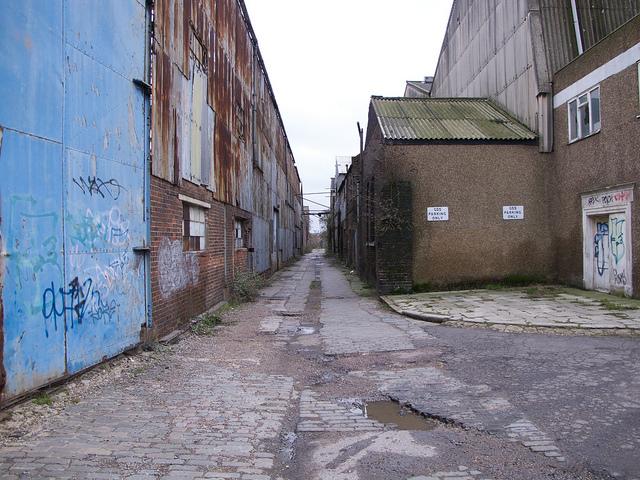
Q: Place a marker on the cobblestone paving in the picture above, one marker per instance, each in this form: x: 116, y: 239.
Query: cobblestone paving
x: 326, y: 416
x: 207, y: 422
x: 515, y: 307
x: 463, y: 473
x: 514, y: 407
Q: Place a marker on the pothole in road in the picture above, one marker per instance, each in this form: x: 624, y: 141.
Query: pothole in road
x: 401, y: 416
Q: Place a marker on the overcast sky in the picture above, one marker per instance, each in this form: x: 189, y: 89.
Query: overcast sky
x: 327, y: 58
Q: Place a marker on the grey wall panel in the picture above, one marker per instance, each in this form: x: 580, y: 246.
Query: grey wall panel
x: 487, y: 52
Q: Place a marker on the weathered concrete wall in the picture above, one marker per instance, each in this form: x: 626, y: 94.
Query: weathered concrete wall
x: 474, y: 181
x: 604, y: 159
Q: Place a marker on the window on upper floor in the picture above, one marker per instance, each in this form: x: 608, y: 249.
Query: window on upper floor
x: 197, y: 121
x: 584, y: 114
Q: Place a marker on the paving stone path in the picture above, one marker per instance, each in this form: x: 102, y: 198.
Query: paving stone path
x: 554, y: 308
x: 207, y: 422
x: 346, y: 330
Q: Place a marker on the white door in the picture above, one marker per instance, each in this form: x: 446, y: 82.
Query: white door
x: 601, y: 253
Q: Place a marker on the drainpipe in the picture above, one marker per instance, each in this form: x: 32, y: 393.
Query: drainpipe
x: 576, y: 27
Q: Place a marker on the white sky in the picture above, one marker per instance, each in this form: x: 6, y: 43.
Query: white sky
x: 326, y: 58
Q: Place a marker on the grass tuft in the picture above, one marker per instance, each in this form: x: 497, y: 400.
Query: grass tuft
x: 43, y: 399
x: 207, y: 324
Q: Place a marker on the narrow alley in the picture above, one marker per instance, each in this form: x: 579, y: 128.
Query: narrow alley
x: 280, y: 391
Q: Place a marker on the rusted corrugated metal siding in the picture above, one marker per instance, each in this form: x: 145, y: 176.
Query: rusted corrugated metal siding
x: 252, y: 156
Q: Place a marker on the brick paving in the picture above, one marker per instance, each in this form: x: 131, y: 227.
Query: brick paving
x: 207, y: 422
x: 462, y: 473
x: 318, y: 415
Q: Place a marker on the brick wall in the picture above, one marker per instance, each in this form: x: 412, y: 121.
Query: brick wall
x: 185, y: 284
x: 394, y: 259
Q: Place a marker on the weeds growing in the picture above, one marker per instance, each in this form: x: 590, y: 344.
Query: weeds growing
x: 43, y: 399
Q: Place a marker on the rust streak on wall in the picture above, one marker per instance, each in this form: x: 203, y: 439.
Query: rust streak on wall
x: 253, y: 166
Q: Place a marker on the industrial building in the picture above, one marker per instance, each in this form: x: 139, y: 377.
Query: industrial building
x: 522, y: 162
x: 144, y: 163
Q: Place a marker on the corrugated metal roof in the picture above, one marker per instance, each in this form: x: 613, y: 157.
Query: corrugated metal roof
x: 446, y: 119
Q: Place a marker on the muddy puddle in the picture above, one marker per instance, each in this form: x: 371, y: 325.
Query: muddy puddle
x: 392, y: 413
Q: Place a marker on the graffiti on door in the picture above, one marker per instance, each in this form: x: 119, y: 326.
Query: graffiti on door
x: 600, y: 241
x: 617, y: 238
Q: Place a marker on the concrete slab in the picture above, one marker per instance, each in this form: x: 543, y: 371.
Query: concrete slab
x: 533, y: 307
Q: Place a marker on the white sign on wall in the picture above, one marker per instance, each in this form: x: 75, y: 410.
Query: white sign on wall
x: 513, y: 212
x: 437, y: 214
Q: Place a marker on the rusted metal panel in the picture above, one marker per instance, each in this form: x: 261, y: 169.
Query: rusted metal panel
x: 249, y: 142
x: 163, y: 127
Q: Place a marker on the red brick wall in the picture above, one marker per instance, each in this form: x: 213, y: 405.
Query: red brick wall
x: 185, y: 284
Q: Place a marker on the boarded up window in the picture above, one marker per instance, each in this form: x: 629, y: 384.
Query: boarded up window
x: 198, y: 125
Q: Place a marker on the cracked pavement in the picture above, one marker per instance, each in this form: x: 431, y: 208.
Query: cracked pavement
x: 279, y: 391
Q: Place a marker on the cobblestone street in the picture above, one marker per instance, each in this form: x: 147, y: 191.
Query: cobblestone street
x: 280, y: 392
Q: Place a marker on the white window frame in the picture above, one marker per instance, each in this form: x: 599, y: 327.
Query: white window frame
x: 239, y: 240
x: 638, y: 116
x: 197, y: 227
x: 579, y: 103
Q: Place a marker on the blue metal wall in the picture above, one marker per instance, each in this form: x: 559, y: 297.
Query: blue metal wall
x: 73, y: 143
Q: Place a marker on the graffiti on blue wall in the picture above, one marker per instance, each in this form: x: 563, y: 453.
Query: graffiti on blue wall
x: 92, y: 185
x: 95, y: 228
x: 81, y: 299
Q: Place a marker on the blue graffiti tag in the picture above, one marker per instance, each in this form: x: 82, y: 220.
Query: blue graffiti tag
x: 80, y: 299
x: 617, y: 238
x: 599, y: 243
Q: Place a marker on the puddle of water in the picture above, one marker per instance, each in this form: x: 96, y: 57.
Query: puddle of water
x: 287, y: 449
x: 393, y: 413
x: 306, y: 330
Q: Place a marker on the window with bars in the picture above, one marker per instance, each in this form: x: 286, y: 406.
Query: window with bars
x: 584, y: 114
x: 193, y: 228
